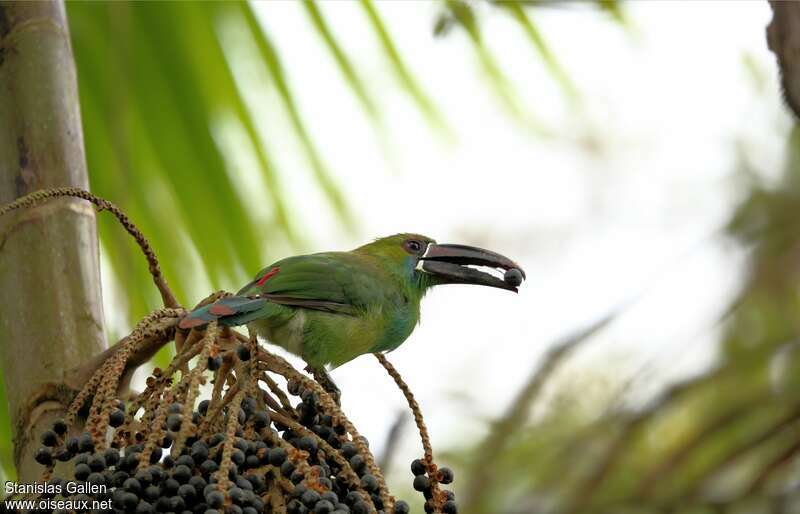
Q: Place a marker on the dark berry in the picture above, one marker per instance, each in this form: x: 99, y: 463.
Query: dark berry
x: 513, y: 277
x: 401, y: 507
x: 111, y: 456
x: 187, y: 492
x: 214, y: 363
x: 202, y: 407
x: 85, y: 443
x: 182, y: 473
x: 237, y: 457
x: 277, y: 456
x: 116, y: 418
x: 170, y: 486
x: 236, y: 495
x: 163, y: 504
x: 82, y: 471
x: 243, y: 352
x: 72, y: 444
x: 349, y: 449
x: 216, y: 439
x: 151, y: 493
x: 144, y: 477
x: 144, y: 508
x: 176, y: 504
x: 360, y: 507
x: 97, y: 462
x: 249, y: 405
x: 418, y: 467
x: 287, y: 468
x: 215, y: 499
x: 421, y: 483
x: 357, y: 463
x: 97, y: 479
x: 44, y: 456
x: 118, y: 478
x: 199, y: 483
x: 167, y: 441
x: 369, y: 482
x: 130, y: 501
x: 310, y: 497
x: 174, y: 422
x: 59, y: 427
x: 251, y: 462
x: 49, y: 438
x: 62, y: 455
x: 155, y: 456
x: 449, y: 507
x: 132, y: 485
x: 307, y: 443
x: 445, y: 475
x: 297, y: 477
x: 261, y: 419
x: 208, y: 466
x: 156, y: 474
x: 185, y: 460
x: 323, y: 507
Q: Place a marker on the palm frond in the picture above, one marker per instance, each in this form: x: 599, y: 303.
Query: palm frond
x: 542, y: 48
x: 342, y: 60
x: 401, y: 70
x: 272, y: 59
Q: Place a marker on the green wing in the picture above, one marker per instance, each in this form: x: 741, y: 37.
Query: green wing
x: 332, y: 281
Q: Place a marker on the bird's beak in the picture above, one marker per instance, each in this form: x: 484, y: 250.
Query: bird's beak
x: 450, y: 264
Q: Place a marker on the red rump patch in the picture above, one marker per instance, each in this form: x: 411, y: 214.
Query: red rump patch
x: 191, y: 322
x: 267, y: 276
x: 221, y: 310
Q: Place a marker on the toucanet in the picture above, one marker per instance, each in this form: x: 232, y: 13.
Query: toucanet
x: 331, y: 307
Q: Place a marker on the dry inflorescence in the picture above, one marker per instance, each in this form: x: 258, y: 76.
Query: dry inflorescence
x: 254, y: 445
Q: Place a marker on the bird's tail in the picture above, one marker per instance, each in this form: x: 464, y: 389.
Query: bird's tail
x: 230, y: 311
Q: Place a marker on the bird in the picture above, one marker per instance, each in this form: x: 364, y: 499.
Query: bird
x: 329, y: 308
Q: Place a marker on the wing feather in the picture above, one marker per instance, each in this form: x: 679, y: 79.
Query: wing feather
x: 331, y: 281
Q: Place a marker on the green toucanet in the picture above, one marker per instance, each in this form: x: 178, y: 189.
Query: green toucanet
x: 331, y: 307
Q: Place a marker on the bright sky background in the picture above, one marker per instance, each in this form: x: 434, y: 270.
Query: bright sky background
x: 622, y: 206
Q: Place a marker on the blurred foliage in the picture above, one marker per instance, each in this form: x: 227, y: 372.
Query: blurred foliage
x: 726, y: 441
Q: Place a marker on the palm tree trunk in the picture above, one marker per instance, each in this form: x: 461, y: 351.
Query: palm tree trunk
x: 51, y: 317
x: 783, y: 38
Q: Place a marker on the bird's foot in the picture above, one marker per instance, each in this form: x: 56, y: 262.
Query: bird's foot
x: 324, y: 379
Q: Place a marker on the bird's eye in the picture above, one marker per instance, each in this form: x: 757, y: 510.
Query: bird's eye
x: 413, y: 246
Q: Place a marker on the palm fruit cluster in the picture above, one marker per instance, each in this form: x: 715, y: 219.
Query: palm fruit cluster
x: 253, y: 446
x: 423, y: 484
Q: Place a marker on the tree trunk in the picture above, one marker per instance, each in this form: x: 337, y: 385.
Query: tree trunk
x: 51, y: 317
x: 783, y: 38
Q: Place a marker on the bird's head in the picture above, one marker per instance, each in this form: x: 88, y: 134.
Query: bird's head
x: 429, y: 263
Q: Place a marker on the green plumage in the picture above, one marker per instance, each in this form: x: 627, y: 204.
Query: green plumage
x: 331, y: 307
